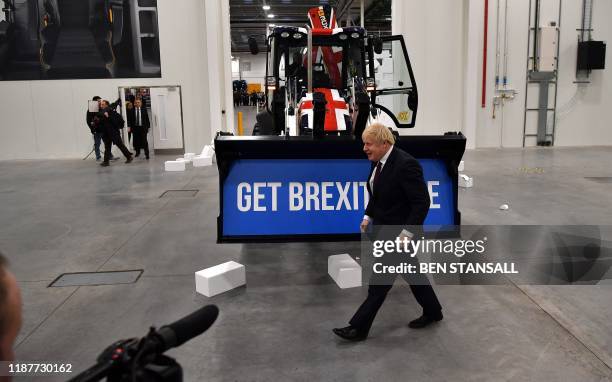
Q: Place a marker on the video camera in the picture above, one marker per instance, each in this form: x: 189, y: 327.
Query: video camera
x: 142, y: 359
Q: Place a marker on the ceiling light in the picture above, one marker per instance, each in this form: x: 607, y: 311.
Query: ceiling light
x: 266, y: 7
x: 271, y: 16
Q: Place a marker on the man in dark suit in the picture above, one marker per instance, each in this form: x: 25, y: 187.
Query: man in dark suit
x: 138, y: 121
x: 111, y: 123
x: 398, y: 197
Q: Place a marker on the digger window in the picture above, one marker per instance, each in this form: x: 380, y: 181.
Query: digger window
x: 396, y: 92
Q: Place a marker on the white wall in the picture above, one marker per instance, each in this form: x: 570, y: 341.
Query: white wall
x: 217, y: 52
x: 585, y: 123
x: 445, y: 42
x: 258, y: 68
x: 588, y: 123
x: 46, y: 119
x: 433, y: 33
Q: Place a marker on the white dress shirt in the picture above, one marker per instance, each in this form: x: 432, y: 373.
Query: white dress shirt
x: 138, y: 117
x: 382, y: 161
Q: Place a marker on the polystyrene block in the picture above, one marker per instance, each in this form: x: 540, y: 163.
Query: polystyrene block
x: 465, y: 181
x: 220, y: 278
x: 189, y: 156
x: 345, y: 271
x: 183, y: 160
x: 200, y: 161
x: 173, y: 165
x: 461, y: 166
x: 207, y: 151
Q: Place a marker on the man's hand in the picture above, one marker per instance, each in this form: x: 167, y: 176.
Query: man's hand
x: 106, y: 114
x: 364, y: 225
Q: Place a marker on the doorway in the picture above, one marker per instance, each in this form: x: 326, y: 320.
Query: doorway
x: 164, y: 107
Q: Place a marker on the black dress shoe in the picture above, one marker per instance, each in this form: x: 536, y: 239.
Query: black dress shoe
x: 350, y: 333
x: 424, y: 320
x: 130, y: 159
x: 104, y: 164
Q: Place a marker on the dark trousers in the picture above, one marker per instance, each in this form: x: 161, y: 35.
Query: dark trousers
x: 110, y: 138
x: 98, y: 138
x: 381, y: 285
x: 140, y: 141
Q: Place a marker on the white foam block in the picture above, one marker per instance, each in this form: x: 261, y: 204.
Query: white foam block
x: 220, y: 278
x: 200, y: 161
x: 183, y: 160
x: 207, y: 151
x: 189, y: 156
x: 345, y: 271
x: 465, y: 181
x: 172, y: 165
x: 461, y: 166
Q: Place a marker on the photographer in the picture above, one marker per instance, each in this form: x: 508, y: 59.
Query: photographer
x: 92, y: 123
x: 110, y: 122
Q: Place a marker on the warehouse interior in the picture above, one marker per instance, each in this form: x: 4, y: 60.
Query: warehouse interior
x: 537, y: 153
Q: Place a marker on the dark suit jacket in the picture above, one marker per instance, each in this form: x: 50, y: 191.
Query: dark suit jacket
x: 131, y: 117
x: 111, y: 124
x: 400, y: 196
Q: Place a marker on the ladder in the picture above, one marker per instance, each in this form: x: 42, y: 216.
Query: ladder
x: 545, y: 134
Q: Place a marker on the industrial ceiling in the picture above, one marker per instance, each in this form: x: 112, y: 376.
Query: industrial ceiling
x: 249, y: 18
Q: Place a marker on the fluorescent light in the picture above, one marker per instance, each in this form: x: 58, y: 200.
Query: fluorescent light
x: 266, y: 7
x: 271, y: 16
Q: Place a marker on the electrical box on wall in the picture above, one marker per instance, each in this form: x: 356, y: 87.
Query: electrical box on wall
x: 591, y: 55
x: 548, y: 49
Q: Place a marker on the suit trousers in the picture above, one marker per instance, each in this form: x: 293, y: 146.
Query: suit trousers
x: 110, y: 138
x: 140, y: 140
x: 379, y: 287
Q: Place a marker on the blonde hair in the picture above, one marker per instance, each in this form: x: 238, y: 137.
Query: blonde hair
x: 379, y: 132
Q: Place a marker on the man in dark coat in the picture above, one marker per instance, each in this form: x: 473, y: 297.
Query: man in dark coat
x: 398, y: 199
x: 92, y: 122
x: 138, y: 121
x: 111, y: 123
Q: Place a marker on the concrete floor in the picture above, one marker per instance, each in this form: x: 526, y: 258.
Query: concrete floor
x: 69, y: 216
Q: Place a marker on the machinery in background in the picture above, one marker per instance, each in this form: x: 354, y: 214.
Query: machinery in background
x: 239, y: 85
x: 591, y: 53
x: 51, y: 39
x: 324, y: 80
x: 323, y: 85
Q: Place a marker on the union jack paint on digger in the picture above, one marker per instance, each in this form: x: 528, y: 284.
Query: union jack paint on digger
x: 326, y: 80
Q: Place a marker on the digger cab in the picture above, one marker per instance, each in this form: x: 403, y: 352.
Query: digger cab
x: 325, y: 80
